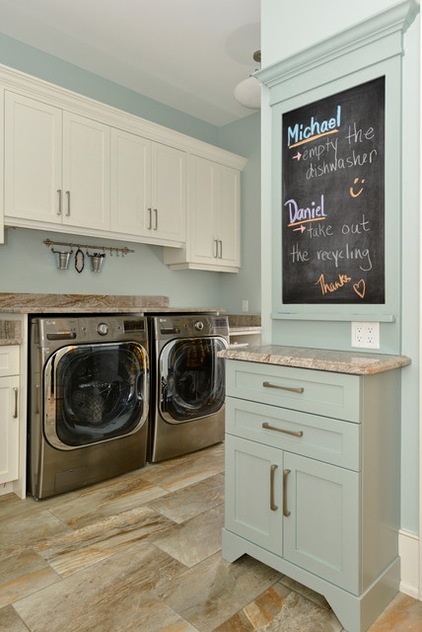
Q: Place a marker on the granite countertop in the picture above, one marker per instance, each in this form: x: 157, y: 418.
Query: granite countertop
x: 27, y: 303
x: 353, y: 362
x: 23, y: 303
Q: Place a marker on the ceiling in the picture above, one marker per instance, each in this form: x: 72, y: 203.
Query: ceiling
x: 187, y: 54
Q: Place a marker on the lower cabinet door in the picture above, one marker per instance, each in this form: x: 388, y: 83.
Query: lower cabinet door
x: 9, y: 429
x: 254, y: 492
x: 322, y: 528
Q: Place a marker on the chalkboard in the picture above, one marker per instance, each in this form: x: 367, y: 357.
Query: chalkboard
x: 333, y: 198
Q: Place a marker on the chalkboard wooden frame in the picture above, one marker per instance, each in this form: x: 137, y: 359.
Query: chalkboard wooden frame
x: 333, y: 198
x: 313, y: 92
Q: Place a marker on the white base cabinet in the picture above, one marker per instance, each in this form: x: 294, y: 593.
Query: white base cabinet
x: 9, y: 413
x: 312, y: 481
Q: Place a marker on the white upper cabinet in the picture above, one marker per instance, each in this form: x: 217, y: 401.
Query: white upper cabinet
x: 213, y: 218
x: 33, y: 159
x: 86, y: 172
x: 148, y: 189
x: 75, y: 165
x: 56, y: 165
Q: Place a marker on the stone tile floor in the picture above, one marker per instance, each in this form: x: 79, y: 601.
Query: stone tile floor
x: 141, y: 553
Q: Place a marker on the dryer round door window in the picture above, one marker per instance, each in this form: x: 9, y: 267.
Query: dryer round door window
x: 192, y: 383
x: 94, y: 393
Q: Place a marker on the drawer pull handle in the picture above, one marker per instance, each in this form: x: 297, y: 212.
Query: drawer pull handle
x: 293, y: 433
x: 15, y: 411
x: 273, y: 506
x: 286, y: 512
x: 283, y: 388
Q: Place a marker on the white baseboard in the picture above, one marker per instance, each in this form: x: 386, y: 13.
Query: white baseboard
x: 410, y: 556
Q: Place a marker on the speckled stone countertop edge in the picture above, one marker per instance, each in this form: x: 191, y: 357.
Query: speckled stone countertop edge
x: 351, y: 362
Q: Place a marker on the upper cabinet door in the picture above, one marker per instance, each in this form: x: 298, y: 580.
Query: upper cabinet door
x: 202, y: 217
x: 228, y: 213
x: 33, y: 159
x: 86, y: 172
x: 168, y: 193
x: 130, y: 183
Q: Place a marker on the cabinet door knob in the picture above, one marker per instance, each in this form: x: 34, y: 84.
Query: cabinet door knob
x: 286, y: 512
x: 273, y: 506
x: 292, y: 389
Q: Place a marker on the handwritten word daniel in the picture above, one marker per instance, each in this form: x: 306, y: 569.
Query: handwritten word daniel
x: 301, y: 132
x: 307, y: 214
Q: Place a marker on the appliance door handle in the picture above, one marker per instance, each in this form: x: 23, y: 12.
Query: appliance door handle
x: 273, y: 506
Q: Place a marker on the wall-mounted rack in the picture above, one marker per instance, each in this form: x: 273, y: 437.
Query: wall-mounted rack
x: 124, y: 251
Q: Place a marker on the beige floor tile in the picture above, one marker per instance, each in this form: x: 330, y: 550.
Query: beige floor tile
x: 191, y: 501
x: 102, y: 597
x: 404, y: 614
x: 71, y: 552
x: 10, y: 621
x: 214, y: 590
x: 99, y: 501
x: 23, y: 574
x: 187, y: 470
x: 194, y: 540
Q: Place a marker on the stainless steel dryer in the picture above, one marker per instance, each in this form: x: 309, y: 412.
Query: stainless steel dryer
x: 89, y: 400
x: 188, y: 383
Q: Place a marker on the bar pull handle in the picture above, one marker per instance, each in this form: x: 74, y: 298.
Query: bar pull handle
x: 283, y: 388
x: 15, y: 411
x: 59, y: 191
x: 293, y: 433
x: 273, y: 506
x: 155, y: 219
x: 286, y: 512
x: 215, y: 249
x: 149, y: 226
x: 220, y: 249
x: 68, y: 203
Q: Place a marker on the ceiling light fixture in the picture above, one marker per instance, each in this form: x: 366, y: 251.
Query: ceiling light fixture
x: 248, y: 91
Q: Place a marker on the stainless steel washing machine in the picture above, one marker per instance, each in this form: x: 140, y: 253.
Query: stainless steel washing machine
x: 188, y: 383
x: 89, y: 400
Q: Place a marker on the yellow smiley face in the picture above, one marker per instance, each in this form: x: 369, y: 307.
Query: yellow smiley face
x: 356, y: 182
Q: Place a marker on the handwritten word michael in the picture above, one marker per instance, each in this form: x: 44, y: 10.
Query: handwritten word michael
x: 301, y: 133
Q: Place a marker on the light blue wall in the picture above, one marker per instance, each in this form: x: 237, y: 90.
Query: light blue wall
x: 279, y: 42
x: 243, y: 137
x: 30, y: 266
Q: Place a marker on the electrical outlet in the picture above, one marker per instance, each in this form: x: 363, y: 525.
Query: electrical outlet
x: 366, y: 335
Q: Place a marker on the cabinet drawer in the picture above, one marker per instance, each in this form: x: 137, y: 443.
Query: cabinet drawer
x: 9, y: 360
x: 319, y: 392
x: 322, y: 438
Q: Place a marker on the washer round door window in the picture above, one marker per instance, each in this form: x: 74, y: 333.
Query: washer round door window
x: 94, y: 393
x: 192, y: 379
